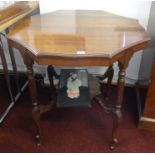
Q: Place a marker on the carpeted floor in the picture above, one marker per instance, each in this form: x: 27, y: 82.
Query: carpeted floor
x: 74, y: 129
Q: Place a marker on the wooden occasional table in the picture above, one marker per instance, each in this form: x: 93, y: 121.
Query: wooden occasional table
x: 78, y: 38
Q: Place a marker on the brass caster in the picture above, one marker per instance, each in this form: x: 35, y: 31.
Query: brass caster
x: 113, y: 144
x: 37, y: 137
x: 38, y: 144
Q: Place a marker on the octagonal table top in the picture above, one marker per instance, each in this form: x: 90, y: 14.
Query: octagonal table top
x: 78, y: 33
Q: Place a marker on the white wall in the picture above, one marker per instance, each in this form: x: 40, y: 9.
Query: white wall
x: 134, y: 9
x: 148, y: 54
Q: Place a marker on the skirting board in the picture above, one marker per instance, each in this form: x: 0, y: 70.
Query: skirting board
x: 146, y: 123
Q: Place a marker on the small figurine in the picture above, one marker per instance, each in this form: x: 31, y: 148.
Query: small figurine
x: 73, y: 84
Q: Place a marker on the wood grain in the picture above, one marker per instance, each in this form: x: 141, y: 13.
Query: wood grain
x: 16, y: 12
x: 78, y: 34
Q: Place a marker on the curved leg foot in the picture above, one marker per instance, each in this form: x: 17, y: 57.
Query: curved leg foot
x: 36, y: 114
x: 113, y: 144
x: 117, y: 116
x: 37, y: 137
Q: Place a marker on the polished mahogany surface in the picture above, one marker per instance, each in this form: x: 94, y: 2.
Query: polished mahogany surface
x: 78, y: 33
x: 11, y: 14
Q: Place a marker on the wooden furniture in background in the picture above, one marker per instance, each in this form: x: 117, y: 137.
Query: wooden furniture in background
x: 9, y: 16
x: 147, y: 115
x: 78, y: 38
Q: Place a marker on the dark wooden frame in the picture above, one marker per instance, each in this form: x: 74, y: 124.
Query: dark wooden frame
x: 13, y: 98
x: 5, y: 67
